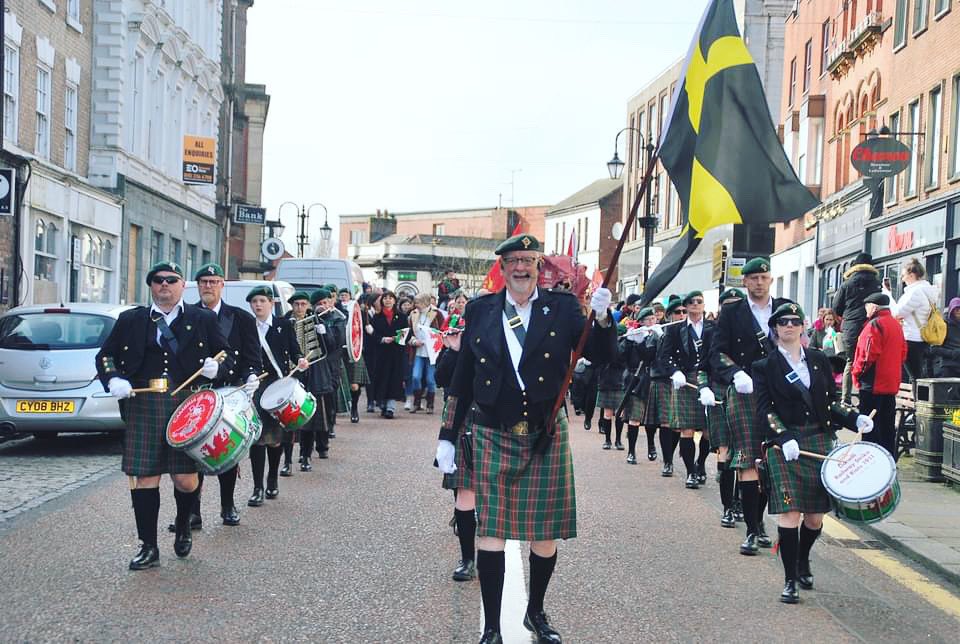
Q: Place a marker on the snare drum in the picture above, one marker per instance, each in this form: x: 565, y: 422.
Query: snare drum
x: 862, y: 481
x: 215, y: 427
x: 289, y: 403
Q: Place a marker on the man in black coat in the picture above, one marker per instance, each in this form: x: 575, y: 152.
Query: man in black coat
x: 169, y: 339
x: 860, y: 280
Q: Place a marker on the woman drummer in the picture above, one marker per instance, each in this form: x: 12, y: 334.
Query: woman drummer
x: 797, y: 406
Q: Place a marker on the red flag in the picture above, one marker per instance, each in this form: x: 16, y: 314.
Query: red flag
x: 494, y: 279
x: 517, y: 229
x: 572, y: 246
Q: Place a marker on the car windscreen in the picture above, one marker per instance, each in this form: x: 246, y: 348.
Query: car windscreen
x: 54, y: 331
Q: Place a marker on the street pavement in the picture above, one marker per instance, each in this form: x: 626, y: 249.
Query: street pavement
x: 360, y: 551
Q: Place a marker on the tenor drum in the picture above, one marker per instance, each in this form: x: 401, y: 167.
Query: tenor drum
x: 289, y: 403
x: 215, y: 427
x: 862, y: 481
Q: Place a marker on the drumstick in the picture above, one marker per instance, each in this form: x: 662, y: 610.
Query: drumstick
x: 219, y: 358
x: 296, y: 369
x: 819, y: 457
x: 238, y: 387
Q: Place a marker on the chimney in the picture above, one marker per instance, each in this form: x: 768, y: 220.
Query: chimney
x: 382, y: 225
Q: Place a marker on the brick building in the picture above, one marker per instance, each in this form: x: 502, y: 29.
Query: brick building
x: 590, y: 213
x: 62, y: 243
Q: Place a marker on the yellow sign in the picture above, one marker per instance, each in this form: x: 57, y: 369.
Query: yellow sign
x: 199, y: 159
x: 719, y: 260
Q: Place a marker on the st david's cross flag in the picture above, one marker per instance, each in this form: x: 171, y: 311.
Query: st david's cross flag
x: 719, y: 146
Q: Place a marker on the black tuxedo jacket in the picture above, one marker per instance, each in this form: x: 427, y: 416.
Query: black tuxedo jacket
x: 680, y: 352
x: 739, y: 341
x: 240, y: 329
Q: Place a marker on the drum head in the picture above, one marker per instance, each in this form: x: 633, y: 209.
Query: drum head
x: 278, y: 393
x: 194, y: 415
x: 865, y: 472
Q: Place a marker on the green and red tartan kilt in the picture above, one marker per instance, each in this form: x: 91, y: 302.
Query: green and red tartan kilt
x: 357, y: 372
x: 609, y: 398
x: 273, y: 432
x: 658, y: 404
x: 145, y: 448
x: 686, y: 412
x: 717, y: 427
x: 796, y: 486
x: 745, y: 436
x: 520, y: 494
x: 635, y: 409
x: 462, y: 479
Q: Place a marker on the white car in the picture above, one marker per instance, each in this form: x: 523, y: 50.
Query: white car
x: 48, y: 377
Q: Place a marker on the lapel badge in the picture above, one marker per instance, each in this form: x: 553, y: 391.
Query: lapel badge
x: 546, y: 310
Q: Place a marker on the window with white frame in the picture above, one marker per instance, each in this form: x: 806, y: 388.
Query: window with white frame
x: 70, y: 128
x: 955, y: 130
x: 73, y: 9
x: 45, y: 251
x: 941, y: 7
x: 891, y: 184
x: 42, y: 143
x: 11, y: 91
x: 934, y: 114
x: 900, y: 23
x: 156, y: 136
x: 913, y: 124
x: 920, y: 15
x: 356, y: 237
x: 95, y: 267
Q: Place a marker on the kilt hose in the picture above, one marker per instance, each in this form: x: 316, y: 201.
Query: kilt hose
x: 686, y: 412
x: 717, y: 427
x: 462, y: 479
x: 145, y: 448
x: 796, y: 486
x: 521, y: 494
x: 357, y: 372
x: 658, y: 404
x: 745, y: 436
x: 609, y: 398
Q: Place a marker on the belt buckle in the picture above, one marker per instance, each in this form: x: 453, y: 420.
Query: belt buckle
x: 520, y: 429
x: 515, y: 322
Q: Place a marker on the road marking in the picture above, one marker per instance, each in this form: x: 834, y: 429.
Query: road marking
x: 514, y: 603
x: 934, y: 593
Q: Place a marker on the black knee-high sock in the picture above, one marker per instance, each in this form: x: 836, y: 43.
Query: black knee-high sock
x: 726, y: 484
x: 184, y: 506
x: 354, y: 397
x: 541, y: 569
x: 604, y: 426
x: 273, y: 461
x: 632, y: 433
x: 228, y: 483
x: 666, y: 440
x: 466, y: 530
x: 673, y: 439
x: 619, y: 426
x: 789, y: 542
x: 146, y: 511
x: 807, y: 538
x: 703, y: 453
x: 687, y: 453
x: 196, y: 499
x: 750, y: 494
x: 761, y: 505
x: 490, y: 568
x: 258, y: 459
x: 651, y: 432
x: 306, y: 443
x: 287, y: 453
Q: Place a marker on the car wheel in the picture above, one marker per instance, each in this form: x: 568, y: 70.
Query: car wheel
x: 46, y: 436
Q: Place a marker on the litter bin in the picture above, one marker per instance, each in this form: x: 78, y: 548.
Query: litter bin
x: 938, y: 401
x: 951, y: 452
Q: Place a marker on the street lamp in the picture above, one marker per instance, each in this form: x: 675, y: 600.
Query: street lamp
x: 648, y: 222
x: 325, y: 229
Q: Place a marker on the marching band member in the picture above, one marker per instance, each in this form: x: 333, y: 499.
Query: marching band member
x: 609, y: 395
x: 326, y: 306
x: 658, y: 400
x: 170, y: 339
x: 798, y: 408
x: 638, y: 356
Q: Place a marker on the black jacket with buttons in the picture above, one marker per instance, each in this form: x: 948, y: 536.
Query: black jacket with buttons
x: 681, y: 353
x: 739, y: 341
x: 198, y: 337
x: 282, y: 339
x: 240, y: 329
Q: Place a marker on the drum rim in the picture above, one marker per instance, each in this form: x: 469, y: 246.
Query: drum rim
x: 890, y: 482
x: 291, y: 383
x: 205, y: 427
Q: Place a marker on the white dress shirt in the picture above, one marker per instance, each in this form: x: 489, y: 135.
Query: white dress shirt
x: 263, y: 327
x: 696, y: 327
x: 513, y: 345
x: 167, y: 317
x: 762, y: 313
x: 800, y: 368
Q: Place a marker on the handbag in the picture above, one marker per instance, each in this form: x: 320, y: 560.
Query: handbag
x: 934, y: 330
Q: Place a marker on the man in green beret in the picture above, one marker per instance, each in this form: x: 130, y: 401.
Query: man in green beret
x: 324, y: 305
x: 299, y: 304
x: 164, y: 267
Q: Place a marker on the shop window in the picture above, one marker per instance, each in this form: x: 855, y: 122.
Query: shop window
x: 45, y: 251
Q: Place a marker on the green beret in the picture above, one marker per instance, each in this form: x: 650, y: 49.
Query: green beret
x: 320, y: 294
x: 692, y: 294
x: 344, y: 290
x: 645, y: 312
x: 784, y: 310
x: 265, y: 291
x: 518, y: 242
x: 298, y: 295
x: 171, y: 267
x: 673, y: 306
x: 731, y: 294
x: 208, y: 270
x: 330, y: 287
x: 756, y: 265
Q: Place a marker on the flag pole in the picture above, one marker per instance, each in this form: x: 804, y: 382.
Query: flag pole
x: 631, y: 217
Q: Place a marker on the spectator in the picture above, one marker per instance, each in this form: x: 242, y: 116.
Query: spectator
x: 659, y: 311
x: 913, y: 308
x: 388, y: 382
x: 828, y: 340
x: 946, y: 358
x: 448, y: 285
x: 877, y: 365
x: 860, y: 280
x: 422, y: 385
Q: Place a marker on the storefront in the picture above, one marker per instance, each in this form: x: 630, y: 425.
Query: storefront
x: 840, y: 237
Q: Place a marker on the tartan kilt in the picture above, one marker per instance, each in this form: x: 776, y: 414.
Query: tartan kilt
x: 717, y: 427
x: 273, y: 432
x: 609, y: 399
x: 658, y: 404
x: 745, y: 436
x: 686, y: 412
x: 520, y: 494
x: 462, y: 479
x: 145, y: 448
x: 343, y: 391
x: 635, y: 409
x: 796, y: 486
x: 357, y: 372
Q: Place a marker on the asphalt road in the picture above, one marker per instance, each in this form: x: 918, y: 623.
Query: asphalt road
x: 360, y: 551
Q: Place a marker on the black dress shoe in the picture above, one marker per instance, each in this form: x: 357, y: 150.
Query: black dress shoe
x: 607, y: 445
x: 230, y: 515
x: 286, y: 470
x: 305, y: 465
x: 371, y: 408
x: 491, y: 636
x: 331, y: 433
x: 667, y: 469
x: 354, y: 417
x: 693, y: 482
x: 749, y: 546
x: 383, y: 413
x: 323, y: 454
x: 651, y: 455
x: 586, y: 424
x: 727, y: 520
x: 183, y: 542
x: 388, y: 414
x: 538, y: 624
x: 272, y: 492
x: 804, y: 576
x: 148, y: 557
x: 790, y: 595
x: 256, y: 499
x: 632, y: 459
x: 738, y: 510
x: 763, y: 540
x: 702, y: 476
x: 619, y: 446
x: 196, y: 523
x: 465, y: 571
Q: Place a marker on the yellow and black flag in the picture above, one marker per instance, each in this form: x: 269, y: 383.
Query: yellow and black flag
x: 719, y: 145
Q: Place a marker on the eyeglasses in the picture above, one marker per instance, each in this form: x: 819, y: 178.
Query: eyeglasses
x: 210, y: 282
x: 680, y: 311
x: 696, y: 300
x: 513, y: 261
x: 789, y: 322
x: 165, y: 279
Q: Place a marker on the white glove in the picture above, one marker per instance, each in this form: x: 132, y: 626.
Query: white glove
x: 321, y: 329
x: 791, y: 451
x: 368, y: 329
x: 600, y: 302
x: 210, y: 368
x: 864, y: 424
x: 586, y: 362
x: 253, y: 383
x: 707, y: 399
x: 679, y: 380
x: 445, y: 457
x: 656, y: 330
x: 743, y: 383
x: 120, y: 388
x: 637, y: 334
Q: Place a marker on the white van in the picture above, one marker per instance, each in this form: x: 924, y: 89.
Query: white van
x: 235, y: 294
x: 310, y: 274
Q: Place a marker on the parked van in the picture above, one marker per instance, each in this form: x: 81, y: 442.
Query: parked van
x: 235, y: 294
x: 310, y: 274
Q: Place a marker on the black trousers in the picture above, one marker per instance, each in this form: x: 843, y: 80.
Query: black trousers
x: 319, y: 422
x: 916, y: 360
x: 884, y: 422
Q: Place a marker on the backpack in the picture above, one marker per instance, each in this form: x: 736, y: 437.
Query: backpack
x: 934, y: 330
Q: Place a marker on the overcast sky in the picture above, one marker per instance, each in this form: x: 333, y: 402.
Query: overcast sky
x: 428, y: 104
